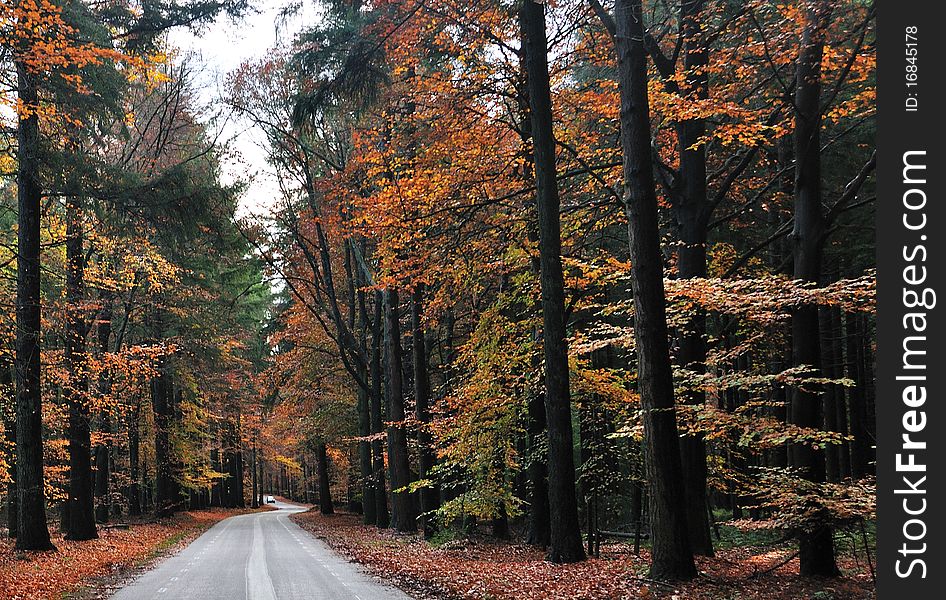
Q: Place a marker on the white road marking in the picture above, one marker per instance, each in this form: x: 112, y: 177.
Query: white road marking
x: 259, y: 585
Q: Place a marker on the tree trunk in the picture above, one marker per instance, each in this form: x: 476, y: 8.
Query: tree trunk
x: 325, y: 490
x: 134, y: 489
x: 429, y: 495
x: 33, y: 534
x: 368, y: 500
x: 260, y: 465
x: 9, y: 436
x: 671, y: 555
x: 103, y: 451
x: 403, y: 514
x: 692, y: 212
x: 233, y: 466
x: 537, y: 470
x: 565, y: 531
x: 162, y: 403
x: 840, y: 407
x: 829, y: 399
x: 860, y: 447
x: 816, y: 548
x: 256, y: 493
x: 382, y: 519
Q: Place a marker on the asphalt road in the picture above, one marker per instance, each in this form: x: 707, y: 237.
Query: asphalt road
x: 260, y: 556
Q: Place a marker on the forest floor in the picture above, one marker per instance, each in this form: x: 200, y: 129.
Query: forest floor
x: 93, y: 568
x: 483, y: 568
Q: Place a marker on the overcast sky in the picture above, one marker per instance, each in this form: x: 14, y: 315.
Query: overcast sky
x: 221, y: 48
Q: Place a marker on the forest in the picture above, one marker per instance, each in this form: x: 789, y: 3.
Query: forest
x: 590, y: 281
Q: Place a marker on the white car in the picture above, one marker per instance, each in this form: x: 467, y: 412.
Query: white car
x: 270, y: 500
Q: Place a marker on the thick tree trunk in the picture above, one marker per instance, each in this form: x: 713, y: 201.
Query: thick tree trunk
x: 103, y: 450
x: 382, y: 518
x: 162, y: 402
x: 256, y: 492
x: 305, y: 479
x: 830, y: 397
x: 368, y: 500
x: 429, y: 495
x: 216, y: 489
x: 539, y: 519
x: 261, y: 466
x: 816, y: 548
x: 325, y: 490
x: 134, y: 486
x: 403, y: 513
x: 671, y: 555
x: 9, y: 436
x: 840, y: 406
x: 692, y: 212
x: 565, y: 539
x: 238, y: 499
x: 537, y: 471
x: 860, y: 447
x: 33, y: 534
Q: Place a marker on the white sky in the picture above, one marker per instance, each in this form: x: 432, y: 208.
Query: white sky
x: 221, y: 48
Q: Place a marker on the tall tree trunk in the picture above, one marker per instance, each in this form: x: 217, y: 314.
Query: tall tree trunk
x: 382, y: 518
x: 539, y: 532
x: 840, y: 407
x: 816, y: 548
x: 9, y: 436
x: 829, y: 398
x: 403, y: 513
x: 163, y: 405
x: 368, y: 500
x: 429, y: 495
x: 260, y: 466
x: 33, y: 534
x: 80, y: 523
x: 860, y: 447
x: 103, y: 450
x: 255, y: 502
x: 325, y: 490
x: 671, y: 555
x: 134, y: 485
x: 565, y: 531
x: 239, y: 500
x: 305, y: 479
x: 692, y: 212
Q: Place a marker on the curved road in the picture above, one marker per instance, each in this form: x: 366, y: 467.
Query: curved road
x: 259, y: 556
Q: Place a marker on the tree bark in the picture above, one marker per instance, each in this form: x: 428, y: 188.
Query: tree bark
x: 162, y: 403
x: 565, y: 532
x: 368, y: 500
x: 9, y: 436
x: 134, y: 489
x: 325, y: 490
x: 671, y: 555
x: 816, y: 548
x: 382, y: 518
x: 692, y: 211
x: 256, y: 492
x: 832, y: 456
x: 429, y: 495
x: 840, y: 406
x: 403, y: 513
x: 33, y: 534
x: 860, y: 447
x: 103, y: 450
x: 80, y: 513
